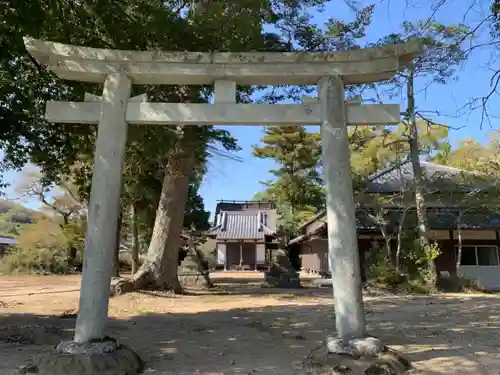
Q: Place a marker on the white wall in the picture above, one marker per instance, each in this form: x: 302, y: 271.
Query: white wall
x: 260, y: 253
x: 488, y: 276
x: 221, y: 253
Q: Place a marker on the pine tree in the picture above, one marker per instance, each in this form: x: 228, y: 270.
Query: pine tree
x: 297, y: 186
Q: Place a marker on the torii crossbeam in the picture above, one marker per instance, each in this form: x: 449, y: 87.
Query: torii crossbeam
x: 118, y: 70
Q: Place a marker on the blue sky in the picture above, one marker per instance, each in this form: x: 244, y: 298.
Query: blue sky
x: 228, y: 179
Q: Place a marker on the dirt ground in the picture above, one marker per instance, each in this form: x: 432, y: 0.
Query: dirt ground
x: 241, y: 328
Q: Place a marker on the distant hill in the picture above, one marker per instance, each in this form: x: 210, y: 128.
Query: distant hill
x: 13, y: 215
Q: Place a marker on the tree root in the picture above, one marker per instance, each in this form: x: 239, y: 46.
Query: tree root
x: 70, y: 314
x: 122, y: 286
x: 143, y: 280
x: 140, y: 280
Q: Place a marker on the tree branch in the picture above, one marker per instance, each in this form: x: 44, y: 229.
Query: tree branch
x: 432, y: 122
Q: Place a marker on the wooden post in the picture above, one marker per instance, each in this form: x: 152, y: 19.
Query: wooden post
x: 241, y: 253
x: 225, y: 256
x: 255, y: 256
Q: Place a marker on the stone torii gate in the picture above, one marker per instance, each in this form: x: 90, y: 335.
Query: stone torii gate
x: 118, y: 70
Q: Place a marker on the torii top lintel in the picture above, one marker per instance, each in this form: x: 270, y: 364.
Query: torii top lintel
x: 87, y: 64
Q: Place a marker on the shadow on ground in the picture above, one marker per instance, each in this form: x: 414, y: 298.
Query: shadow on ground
x: 253, y: 289
x: 441, y: 335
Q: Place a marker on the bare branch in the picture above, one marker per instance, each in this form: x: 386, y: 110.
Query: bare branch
x: 482, y: 102
x: 434, y: 123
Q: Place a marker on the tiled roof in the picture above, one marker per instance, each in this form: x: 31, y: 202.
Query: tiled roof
x: 244, y: 225
x: 396, y: 177
x: 400, y: 176
x: 444, y: 218
x: 244, y: 206
x: 447, y: 219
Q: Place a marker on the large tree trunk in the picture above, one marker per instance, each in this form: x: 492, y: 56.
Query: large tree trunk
x: 159, y: 270
x: 116, y: 262
x: 423, y: 225
x: 135, y: 239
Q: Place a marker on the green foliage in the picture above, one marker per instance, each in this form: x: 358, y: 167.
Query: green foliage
x: 74, y: 232
x: 14, y: 216
x: 372, y: 149
x: 419, y: 257
x: 133, y: 24
x: 471, y: 155
x: 47, y: 242
x: 375, y: 148
x: 442, y: 50
x: 381, y: 272
x: 195, y: 214
x: 297, y: 184
x: 495, y: 10
x: 380, y: 269
x: 41, y: 248
x: 66, y: 150
x: 8, y: 228
x: 263, y: 196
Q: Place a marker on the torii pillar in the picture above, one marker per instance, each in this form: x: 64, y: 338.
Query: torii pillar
x: 119, y: 69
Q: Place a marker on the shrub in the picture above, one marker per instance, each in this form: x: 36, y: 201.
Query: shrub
x: 409, y: 279
x: 41, y: 248
x: 415, y: 286
x: 473, y: 286
x: 380, y: 268
x: 20, y: 261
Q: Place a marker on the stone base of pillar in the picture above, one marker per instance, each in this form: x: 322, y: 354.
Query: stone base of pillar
x: 103, y: 357
x: 368, y: 356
